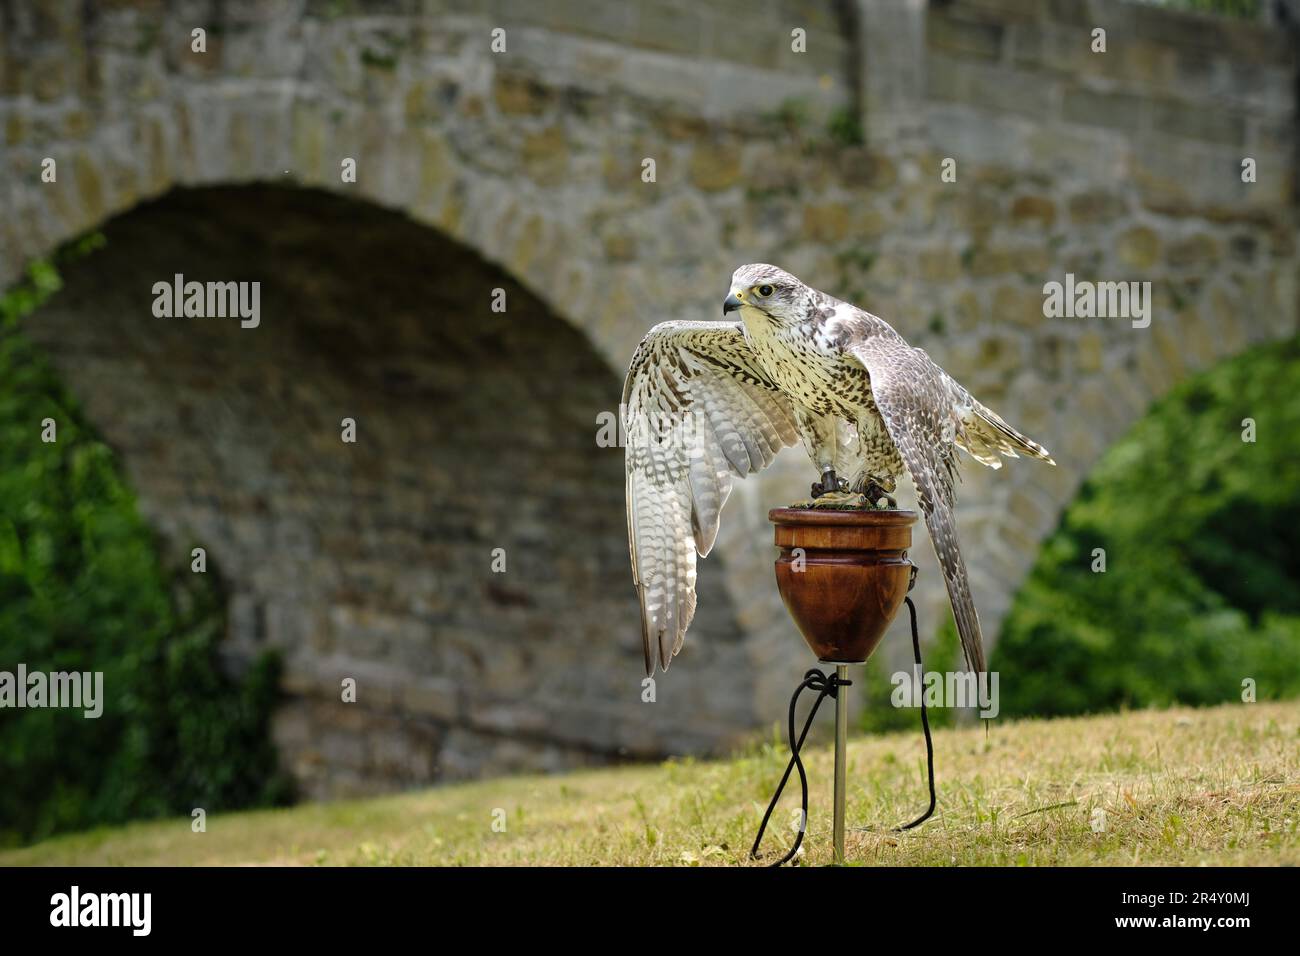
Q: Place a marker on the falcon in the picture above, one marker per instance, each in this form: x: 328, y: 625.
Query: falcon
x: 706, y: 403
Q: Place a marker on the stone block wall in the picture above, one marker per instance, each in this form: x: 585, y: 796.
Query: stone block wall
x: 525, y: 168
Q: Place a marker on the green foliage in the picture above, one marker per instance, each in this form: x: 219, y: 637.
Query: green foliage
x: 1241, y: 9
x: 793, y: 113
x: 380, y: 61
x: 1201, y: 532
x: 82, y: 589
x: 845, y: 127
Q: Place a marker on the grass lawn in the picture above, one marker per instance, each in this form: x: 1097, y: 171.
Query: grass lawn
x: 1181, y: 786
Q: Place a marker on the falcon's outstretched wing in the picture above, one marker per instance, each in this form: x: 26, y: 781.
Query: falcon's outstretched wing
x: 697, y: 412
x: 916, y: 400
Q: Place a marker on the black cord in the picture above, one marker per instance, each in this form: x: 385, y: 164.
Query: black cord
x: 827, y: 685
x: 925, y: 723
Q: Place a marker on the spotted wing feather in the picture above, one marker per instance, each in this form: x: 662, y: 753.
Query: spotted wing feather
x: 915, y: 400
x: 697, y: 414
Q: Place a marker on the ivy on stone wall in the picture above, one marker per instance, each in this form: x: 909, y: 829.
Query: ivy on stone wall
x: 1199, y: 527
x: 1242, y: 9
x: 82, y: 588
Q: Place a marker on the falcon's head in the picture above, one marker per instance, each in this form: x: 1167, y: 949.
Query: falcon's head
x: 773, y: 292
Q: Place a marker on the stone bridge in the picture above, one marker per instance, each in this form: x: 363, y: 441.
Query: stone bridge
x: 503, y: 145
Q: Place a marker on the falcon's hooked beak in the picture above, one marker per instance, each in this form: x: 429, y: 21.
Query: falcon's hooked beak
x: 732, y: 302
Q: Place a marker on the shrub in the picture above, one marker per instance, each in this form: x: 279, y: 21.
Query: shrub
x: 1201, y: 532
x: 82, y: 588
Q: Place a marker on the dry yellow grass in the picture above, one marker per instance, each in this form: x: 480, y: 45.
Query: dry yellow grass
x: 1181, y: 786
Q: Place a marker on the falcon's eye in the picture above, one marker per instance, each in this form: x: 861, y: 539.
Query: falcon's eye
x: 765, y: 290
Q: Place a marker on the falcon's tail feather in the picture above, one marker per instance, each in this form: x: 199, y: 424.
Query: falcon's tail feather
x: 988, y: 435
x: 943, y: 535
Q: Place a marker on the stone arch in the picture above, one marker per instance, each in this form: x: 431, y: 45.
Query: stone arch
x: 373, y: 560
x: 1113, y: 168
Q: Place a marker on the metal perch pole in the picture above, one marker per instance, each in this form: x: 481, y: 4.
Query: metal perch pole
x: 841, y: 742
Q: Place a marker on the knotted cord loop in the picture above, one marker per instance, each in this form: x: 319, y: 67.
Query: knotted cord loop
x: 826, y: 685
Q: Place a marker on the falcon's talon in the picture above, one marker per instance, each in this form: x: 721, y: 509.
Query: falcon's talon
x: 829, y: 484
x: 876, y: 489
x: 875, y: 493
